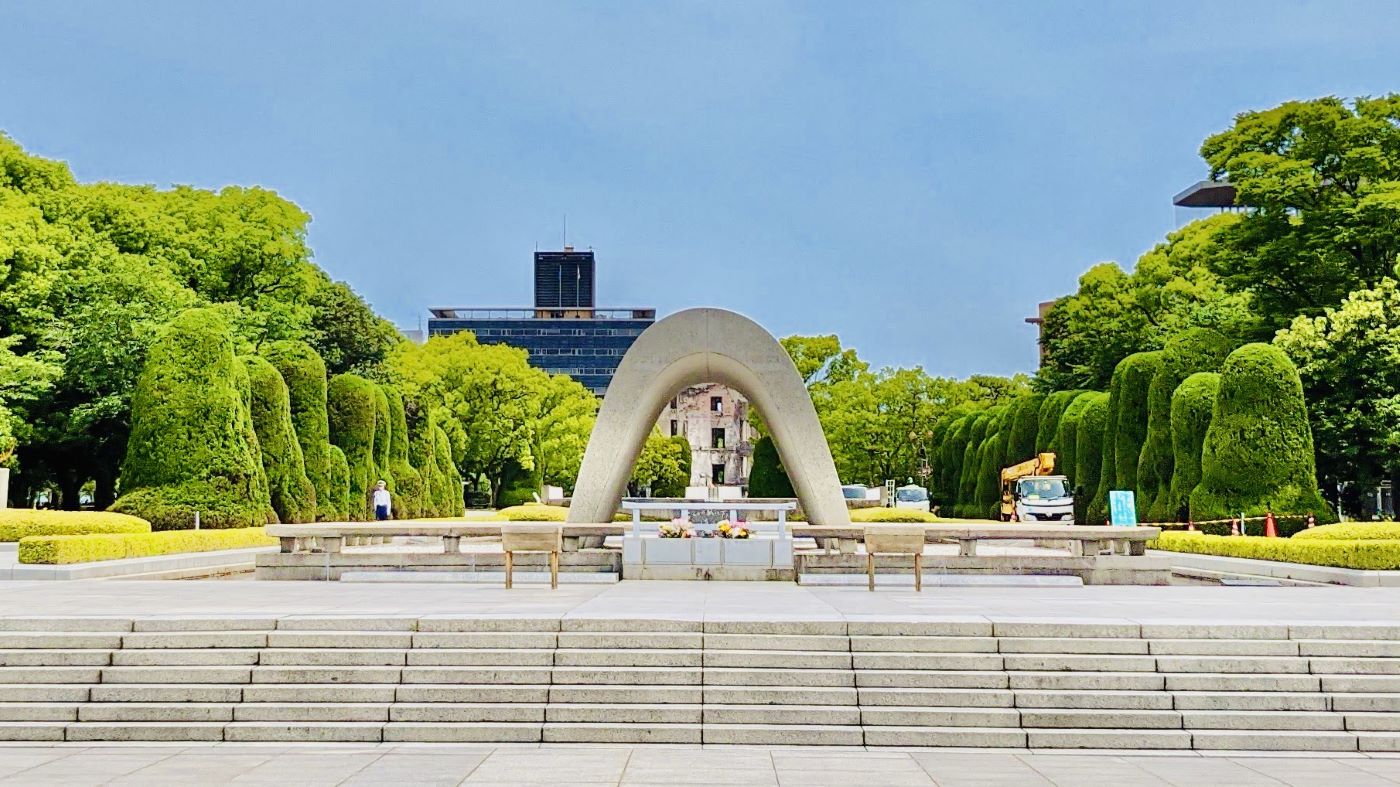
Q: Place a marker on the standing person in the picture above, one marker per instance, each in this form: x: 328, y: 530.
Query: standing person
x: 382, y: 501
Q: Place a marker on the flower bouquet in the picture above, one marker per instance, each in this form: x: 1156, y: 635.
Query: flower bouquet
x: 676, y: 528
x: 726, y: 530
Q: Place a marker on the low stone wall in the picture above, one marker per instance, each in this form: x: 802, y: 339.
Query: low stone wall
x: 1092, y: 569
x: 328, y: 566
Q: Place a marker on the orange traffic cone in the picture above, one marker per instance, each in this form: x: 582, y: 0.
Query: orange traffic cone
x: 1270, y: 526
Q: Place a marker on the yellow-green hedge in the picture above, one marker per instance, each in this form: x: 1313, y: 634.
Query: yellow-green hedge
x: 1373, y: 554
x: 16, y: 523
x: 1353, y: 531
x: 85, y: 549
x: 533, y: 512
x: 891, y: 515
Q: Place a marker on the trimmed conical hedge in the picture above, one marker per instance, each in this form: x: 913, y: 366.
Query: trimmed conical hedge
x: 994, y: 448
x: 1090, y: 437
x: 1022, y: 426
x: 1051, y: 411
x: 350, y: 407
x: 305, y: 375
x: 972, y: 461
x: 383, y: 437
x: 1258, y: 452
x: 1138, y: 371
x: 449, y: 492
x: 1192, y: 404
x: 1195, y: 350
x: 424, y: 461
x: 767, y: 477
x: 245, y: 392
x: 1096, y: 507
x: 408, y: 484
x: 337, y: 507
x: 189, y: 449
x: 292, y: 495
x: 1066, y: 442
x: 950, y: 462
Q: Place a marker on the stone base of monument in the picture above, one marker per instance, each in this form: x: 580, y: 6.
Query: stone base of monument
x: 652, y: 557
x: 1090, y: 569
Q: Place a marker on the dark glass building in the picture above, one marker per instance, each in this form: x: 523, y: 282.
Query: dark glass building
x: 565, y: 333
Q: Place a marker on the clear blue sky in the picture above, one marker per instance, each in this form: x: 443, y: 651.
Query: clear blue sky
x: 914, y: 177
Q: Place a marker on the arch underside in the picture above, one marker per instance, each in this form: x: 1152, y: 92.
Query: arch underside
x: 702, y: 346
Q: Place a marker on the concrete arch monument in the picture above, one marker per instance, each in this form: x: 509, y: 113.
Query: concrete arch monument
x: 699, y: 346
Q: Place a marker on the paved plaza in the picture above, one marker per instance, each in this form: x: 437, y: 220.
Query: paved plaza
x: 773, y: 601
x: 430, y: 765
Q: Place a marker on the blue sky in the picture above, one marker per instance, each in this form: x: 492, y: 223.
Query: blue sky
x: 914, y: 177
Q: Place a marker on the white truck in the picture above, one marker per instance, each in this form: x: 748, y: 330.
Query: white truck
x: 1029, y: 493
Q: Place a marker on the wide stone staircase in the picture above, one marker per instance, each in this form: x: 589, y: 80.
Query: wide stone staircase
x: 870, y: 683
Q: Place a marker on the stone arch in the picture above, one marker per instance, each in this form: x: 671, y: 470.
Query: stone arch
x: 699, y: 346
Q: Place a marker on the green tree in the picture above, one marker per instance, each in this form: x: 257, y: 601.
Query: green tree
x: 383, y: 437
x: 1349, y: 361
x: 1192, y: 404
x: 1022, y: 428
x: 1322, y: 180
x: 1096, y: 508
x: 1258, y: 452
x: 336, y: 507
x: 346, y: 332
x: 971, y: 462
x: 305, y: 375
x: 563, y: 422
x: 1066, y: 442
x: 189, y: 449
x: 659, y: 468
x: 1138, y: 371
x: 1048, y: 427
x: 408, y: 484
x: 292, y: 495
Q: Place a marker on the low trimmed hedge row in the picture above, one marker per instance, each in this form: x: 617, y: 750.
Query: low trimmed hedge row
x: 54, y: 550
x: 16, y: 523
x: 891, y: 515
x: 1371, y: 555
x: 533, y: 512
x: 1353, y: 531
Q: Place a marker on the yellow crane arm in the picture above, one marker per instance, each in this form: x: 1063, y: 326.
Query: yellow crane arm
x: 1042, y: 464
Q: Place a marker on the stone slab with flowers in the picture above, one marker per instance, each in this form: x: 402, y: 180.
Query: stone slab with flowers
x: 693, y: 546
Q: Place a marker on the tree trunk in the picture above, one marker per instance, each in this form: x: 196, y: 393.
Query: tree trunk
x: 70, y: 489
x: 105, y: 493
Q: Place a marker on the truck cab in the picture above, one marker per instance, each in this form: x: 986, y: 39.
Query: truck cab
x: 911, y: 496
x: 1043, y: 498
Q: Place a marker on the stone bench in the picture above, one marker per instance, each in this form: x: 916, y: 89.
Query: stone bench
x: 1082, y: 539
x: 333, y: 536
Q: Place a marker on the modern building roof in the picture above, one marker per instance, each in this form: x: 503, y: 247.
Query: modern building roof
x: 540, y: 313
x: 1207, y: 194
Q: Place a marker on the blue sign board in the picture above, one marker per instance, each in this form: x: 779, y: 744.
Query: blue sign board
x: 1122, y: 508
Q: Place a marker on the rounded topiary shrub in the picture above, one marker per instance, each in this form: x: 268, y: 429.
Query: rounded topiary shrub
x: 293, y: 497
x: 681, y: 446
x: 350, y: 405
x: 335, y: 508
x: 767, y: 478
x: 950, y: 458
x: 1195, y: 350
x: 1022, y: 426
x: 408, y: 484
x: 421, y: 456
x: 1192, y: 404
x: 450, y: 485
x: 1066, y: 440
x: 1096, y: 507
x: 1089, y: 438
x: 1131, y: 431
x: 189, y: 447
x: 988, y: 500
x: 1051, y: 411
x: 304, y: 373
x: 1258, y: 451
x: 243, y: 384
x: 383, y: 431
x: 972, y: 461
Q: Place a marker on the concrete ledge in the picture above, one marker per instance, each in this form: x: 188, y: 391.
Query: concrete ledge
x: 943, y: 580
x: 482, y: 577
x: 185, y: 564
x: 1272, y: 569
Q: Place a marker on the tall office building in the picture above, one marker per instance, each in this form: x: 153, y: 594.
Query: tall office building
x: 564, y: 332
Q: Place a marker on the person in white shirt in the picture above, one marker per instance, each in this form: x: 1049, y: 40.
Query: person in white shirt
x: 382, y: 501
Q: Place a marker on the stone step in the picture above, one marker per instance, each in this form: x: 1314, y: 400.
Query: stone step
x: 784, y: 734
x: 1373, y: 722
x: 1086, y: 645
x: 915, y: 644
x: 937, y: 698
x: 1379, y: 703
x: 318, y: 732
x: 202, y: 657
x: 979, y: 737
x: 333, y: 657
x: 777, y: 659
x: 309, y: 712
x: 43, y: 692
x: 48, y: 624
x: 647, y: 695
x: 54, y: 640
x: 350, y: 676
x: 1234, y: 665
x: 1273, y: 740
x: 480, y: 657
x: 1216, y: 682
x: 779, y: 695
x: 965, y: 662
x: 184, y: 640
x: 930, y: 679
x: 1026, y: 662
x: 740, y: 676
x: 155, y: 711
x: 1349, y: 648
x: 1355, y: 666
x: 629, y: 713
x: 473, y: 712
x: 38, y: 711
x: 1361, y: 684
x: 50, y: 674
x: 463, y: 732
x: 478, y: 675
x: 639, y: 676
x: 1261, y: 720
x: 1222, y: 647
x: 1251, y: 701
x: 1087, y: 681
x: 1378, y: 741
x: 45, y: 657
x: 895, y: 716
x: 614, y: 657
x: 145, y: 731
x: 1065, y: 738
x: 359, y: 640
x: 46, y: 731
x: 325, y: 692
x: 625, y: 640
x: 565, y: 732
x: 1094, y: 700
x: 191, y: 674
x: 486, y: 639
x: 824, y: 715
x: 789, y: 642
x: 166, y: 693
x: 1094, y: 718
